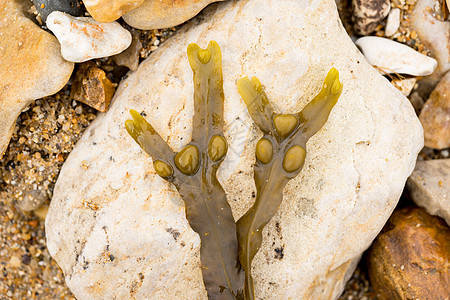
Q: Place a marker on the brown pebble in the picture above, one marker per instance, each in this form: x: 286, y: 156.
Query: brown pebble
x: 92, y: 87
x: 410, y: 258
x: 435, y: 116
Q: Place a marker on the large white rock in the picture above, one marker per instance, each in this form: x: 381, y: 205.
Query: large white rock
x: 109, y: 201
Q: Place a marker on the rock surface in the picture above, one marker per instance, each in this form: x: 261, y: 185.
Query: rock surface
x: 91, y: 87
x: 435, y: 34
x: 123, y: 220
x: 435, y: 116
x: 410, y: 258
x: 367, y: 14
x: 31, y: 65
x: 393, y: 57
x: 164, y: 13
x: 429, y: 186
x: 46, y: 7
x: 110, y: 10
x: 83, y: 39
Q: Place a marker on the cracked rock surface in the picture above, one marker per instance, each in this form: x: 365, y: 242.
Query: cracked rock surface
x: 123, y: 220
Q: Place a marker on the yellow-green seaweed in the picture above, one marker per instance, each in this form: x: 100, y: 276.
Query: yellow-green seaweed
x: 194, y: 174
x: 280, y: 156
x: 228, y: 248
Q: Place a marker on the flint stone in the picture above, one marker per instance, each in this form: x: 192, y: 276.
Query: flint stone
x: 409, y: 259
x: 393, y: 57
x: 110, y: 10
x: 83, y: 38
x: 46, y: 7
x: 435, y: 116
x: 367, y: 14
x: 331, y: 212
x: 164, y: 13
x: 31, y: 65
x: 429, y: 186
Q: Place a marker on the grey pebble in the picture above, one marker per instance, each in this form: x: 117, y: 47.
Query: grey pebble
x: 46, y: 7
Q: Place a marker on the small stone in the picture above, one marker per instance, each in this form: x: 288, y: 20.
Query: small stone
x: 110, y: 10
x: 429, y: 186
x: 32, y: 200
x: 435, y: 116
x: 393, y: 57
x: 418, y: 242
x: 83, y: 39
x: 92, y: 87
x: 15, y: 262
x: 404, y: 85
x: 31, y: 65
x: 435, y: 35
x: 46, y: 7
x: 164, y: 13
x: 41, y: 212
x: 368, y: 13
x: 393, y: 21
x: 416, y: 101
x: 130, y: 57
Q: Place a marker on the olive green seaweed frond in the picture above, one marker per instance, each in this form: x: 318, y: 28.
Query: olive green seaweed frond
x: 280, y: 155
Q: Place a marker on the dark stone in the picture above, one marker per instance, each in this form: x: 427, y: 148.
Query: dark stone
x: 46, y: 7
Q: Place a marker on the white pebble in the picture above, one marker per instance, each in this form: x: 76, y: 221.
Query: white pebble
x: 83, y: 38
x: 392, y: 57
x: 393, y: 21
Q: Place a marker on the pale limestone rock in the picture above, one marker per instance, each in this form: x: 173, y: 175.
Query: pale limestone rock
x: 435, y: 35
x: 31, y: 65
x: 354, y: 173
x: 110, y: 10
x: 83, y: 39
x: 393, y: 21
x: 429, y: 186
x: 393, y: 57
x: 153, y: 14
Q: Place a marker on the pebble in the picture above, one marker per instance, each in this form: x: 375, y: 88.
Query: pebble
x: 429, y: 187
x: 404, y: 85
x: 392, y: 57
x: 164, y: 13
x: 393, y: 21
x: 110, y: 10
x: 31, y: 65
x: 15, y: 262
x: 435, y: 35
x: 84, y: 38
x: 130, y: 57
x: 46, y: 7
x: 91, y: 87
x: 367, y: 14
x: 435, y: 116
x: 410, y: 257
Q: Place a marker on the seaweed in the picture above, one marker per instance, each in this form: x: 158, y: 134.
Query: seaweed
x: 228, y: 247
x: 193, y: 172
x: 280, y: 155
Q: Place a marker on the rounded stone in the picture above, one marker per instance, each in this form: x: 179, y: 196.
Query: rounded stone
x: 410, y: 258
x: 45, y: 7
